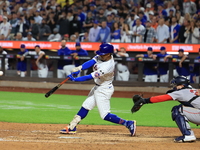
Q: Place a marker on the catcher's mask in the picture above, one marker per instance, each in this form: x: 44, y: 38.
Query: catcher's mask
x: 179, y: 80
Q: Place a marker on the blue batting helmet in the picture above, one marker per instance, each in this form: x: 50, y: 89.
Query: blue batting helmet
x: 105, y: 48
x: 180, y: 80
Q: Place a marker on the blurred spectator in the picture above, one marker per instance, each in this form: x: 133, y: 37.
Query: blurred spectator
x: 5, y: 28
x: 122, y: 71
x: 34, y: 28
x: 63, y: 22
x: 23, y: 25
x: 110, y: 21
x: 104, y: 33
x: 82, y: 16
x: 161, y: 11
x: 94, y: 31
x: 148, y: 11
x: 77, y: 36
x: 115, y: 33
x: 88, y: 23
x: 171, y: 8
x: 189, y: 7
x: 162, y: 32
x: 142, y: 18
x: 93, y: 9
x: 183, y: 28
x: 45, y: 31
x: 66, y: 37
x: 151, y: 15
x: 110, y: 10
x: 84, y: 37
x: 150, y: 33
x: 75, y: 25
x: 196, y: 33
x: 138, y: 32
x: 38, y: 18
x: 21, y: 65
x: 63, y: 51
x: 51, y: 21
x: 150, y: 68
x: 2, y: 51
x: 101, y: 16
x: 13, y: 23
x: 29, y: 37
x: 188, y: 32
x: 73, y: 38
x: 170, y: 16
x: 132, y: 19
x: 154, y: 23
x: 180, y: 18
x: 126, y: 34
x: 174, y: 31
x: 55, y: 36
x: 76, y: 62
x: 18, y: 36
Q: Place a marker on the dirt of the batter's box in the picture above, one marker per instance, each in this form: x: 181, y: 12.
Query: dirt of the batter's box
x: 18, y: 136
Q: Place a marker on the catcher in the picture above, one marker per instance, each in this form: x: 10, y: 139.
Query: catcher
x: 187, y: 111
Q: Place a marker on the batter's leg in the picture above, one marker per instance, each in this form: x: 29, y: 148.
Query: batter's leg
x: 87, y: 105
x: 102, y: 97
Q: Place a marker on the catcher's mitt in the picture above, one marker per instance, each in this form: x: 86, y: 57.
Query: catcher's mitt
x: 138, y: 103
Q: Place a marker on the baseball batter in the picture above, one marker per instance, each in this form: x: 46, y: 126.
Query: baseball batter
x: 188, y: 111
x: 40, y: 61
x: 103, y: 74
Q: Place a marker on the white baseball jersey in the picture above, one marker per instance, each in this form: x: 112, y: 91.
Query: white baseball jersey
x: 103, y: 71
x: 4, y: 28
x: 101, y: 93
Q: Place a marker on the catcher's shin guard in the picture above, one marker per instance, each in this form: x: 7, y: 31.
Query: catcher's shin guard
x: 180, y: 120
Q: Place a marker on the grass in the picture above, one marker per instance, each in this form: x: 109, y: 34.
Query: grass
x: 60, y: 109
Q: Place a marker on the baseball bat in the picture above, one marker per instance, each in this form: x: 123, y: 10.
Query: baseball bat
x: 55, y: 88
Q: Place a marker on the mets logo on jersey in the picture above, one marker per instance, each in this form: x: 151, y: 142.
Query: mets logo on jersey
x: 97, y: 74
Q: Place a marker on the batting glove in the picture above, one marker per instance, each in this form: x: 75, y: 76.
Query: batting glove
x: 71, y: 78
x: 77, y: 69
x: 75, y: 74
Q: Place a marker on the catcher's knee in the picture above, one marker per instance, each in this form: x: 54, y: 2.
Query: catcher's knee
x: 176, y: 112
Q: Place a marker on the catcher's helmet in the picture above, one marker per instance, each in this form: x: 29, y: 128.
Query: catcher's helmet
x: 105, y: 48
x: 180, y: 80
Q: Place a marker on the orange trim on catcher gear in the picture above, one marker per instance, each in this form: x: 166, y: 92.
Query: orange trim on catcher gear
x: 160, y: 98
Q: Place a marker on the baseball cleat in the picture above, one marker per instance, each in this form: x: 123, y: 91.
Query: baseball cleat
x: 67, y: 130
x: 185, y: 138
x: 131, y: 125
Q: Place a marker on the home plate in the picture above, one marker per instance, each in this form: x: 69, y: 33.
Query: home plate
x: 68, y: 137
